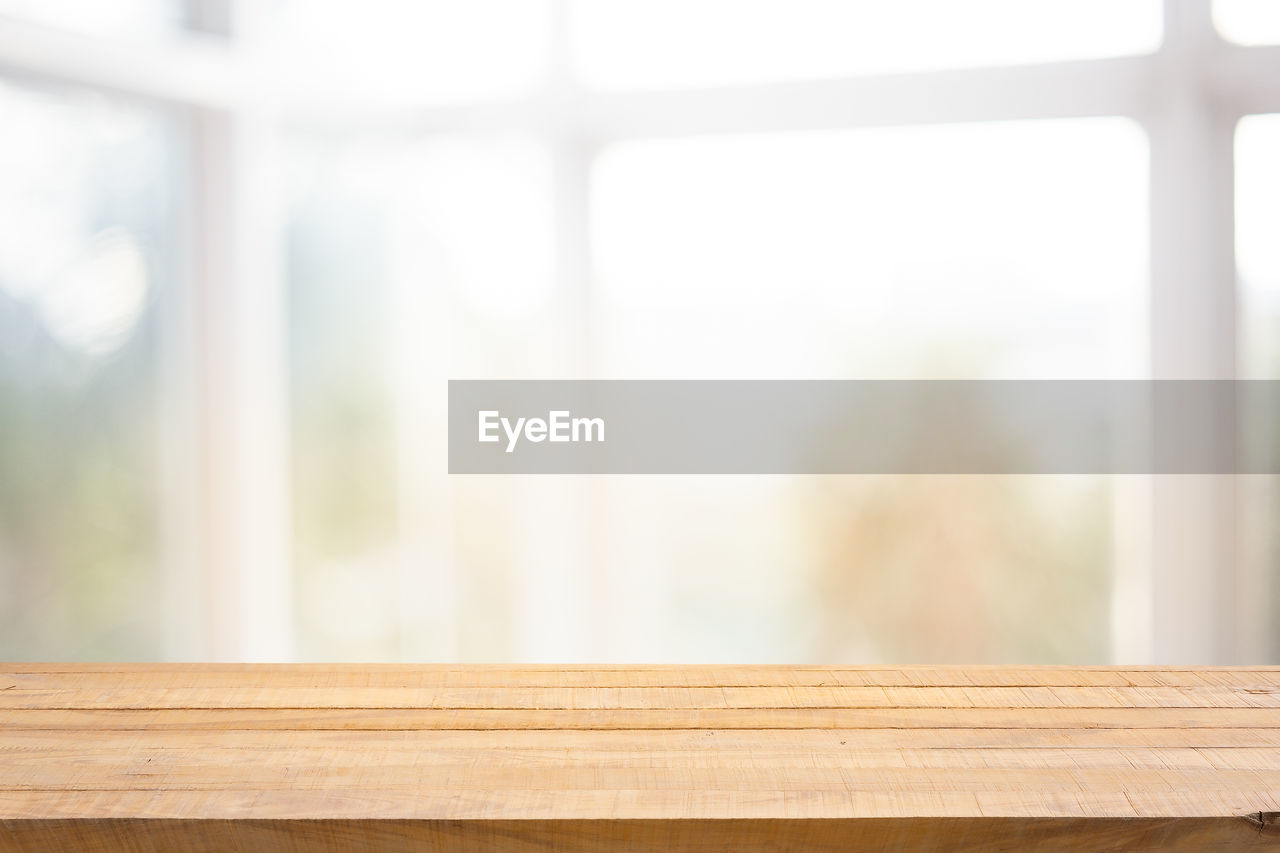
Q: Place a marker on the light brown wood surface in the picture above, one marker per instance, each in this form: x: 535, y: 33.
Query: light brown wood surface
x: 345, y: 757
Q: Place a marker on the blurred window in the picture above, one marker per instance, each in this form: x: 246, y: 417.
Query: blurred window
x: 929, y: 252
x: 408, y: 263
x: 627, y: 44
x: 476, y: 189
x: 423, y: 51
x: 1258, y: 263
x: 131, y: 18
x: 86, y: 271
x: 342, y: 426
x: 1248, y: 21
x: 1258, y: 243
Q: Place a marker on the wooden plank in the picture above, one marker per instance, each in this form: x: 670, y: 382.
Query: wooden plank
x: 422, y: 719
x: 633, y: 804
x: 969, y: 835
x: 158, y: 757
x: 463, y: 777
x: 813, y: 742
x: 637, y: 698
x: 64, y: 676
x: 136, y: 759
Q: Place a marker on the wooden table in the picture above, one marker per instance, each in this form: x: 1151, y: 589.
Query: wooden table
x: 316, y: 758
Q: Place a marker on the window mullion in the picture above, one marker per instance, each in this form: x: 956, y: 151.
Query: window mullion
x: 241, y: 410
x: 1193, y: 336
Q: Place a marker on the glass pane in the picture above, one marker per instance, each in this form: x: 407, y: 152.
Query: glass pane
x: 1258, y: 264
x: 656, y: 43
x: 1000, y: 250
x: 988, y: 251
x: 1248, y: 21
x: 1258, y: 243
x: 87, y: 210
x: 343, y: 442
x: 481, y: 299
x: 397, y: 50
x: 410, y: 263
x: 102, y: 17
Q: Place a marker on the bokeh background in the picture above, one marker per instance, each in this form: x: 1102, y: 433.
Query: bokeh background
x: 245, y: 243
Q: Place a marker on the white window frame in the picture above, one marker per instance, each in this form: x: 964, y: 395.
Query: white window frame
x: 1181, y: 596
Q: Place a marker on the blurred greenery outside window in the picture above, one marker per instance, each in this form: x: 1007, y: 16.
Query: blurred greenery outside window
x: 87, y: 266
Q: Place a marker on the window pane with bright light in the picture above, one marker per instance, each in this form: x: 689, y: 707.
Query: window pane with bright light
x: 128, y: 18
x: 987, y: 251
x: 1248, y: 21
x: 402, y: 52
x: 1257, y: 155
x: 626, y: 44
x: 1000, y: 250
x: 343, y: 442
x: 411, y: 262
x: 1258, y: 242
x: 87, y: 214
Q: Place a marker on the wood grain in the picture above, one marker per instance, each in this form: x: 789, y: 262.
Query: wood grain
x: 311, y: 757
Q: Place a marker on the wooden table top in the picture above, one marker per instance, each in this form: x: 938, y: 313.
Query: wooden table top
x: 389, y: 757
